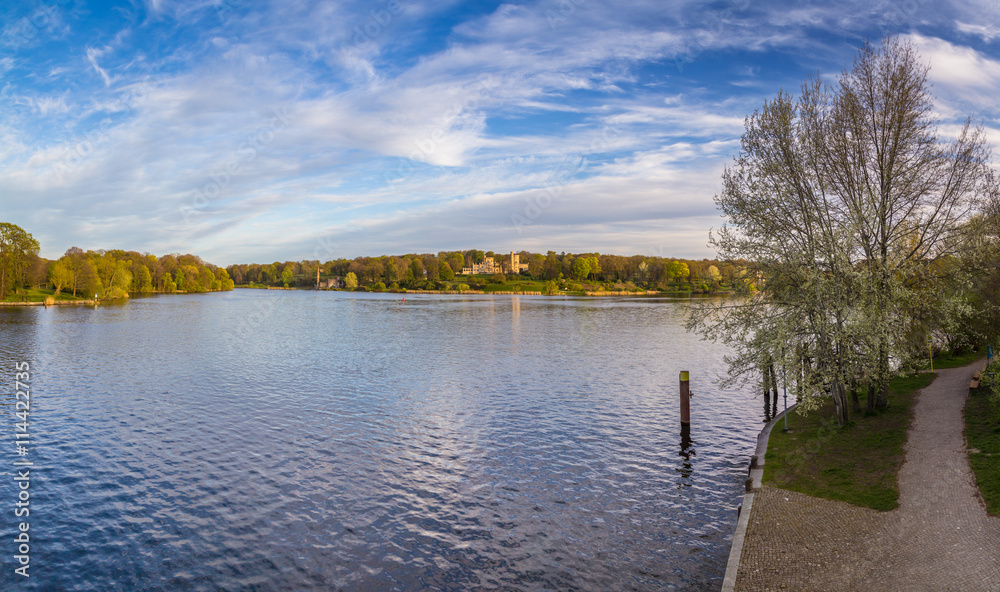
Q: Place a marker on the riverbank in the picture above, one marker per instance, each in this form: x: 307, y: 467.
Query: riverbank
x: 585, y: 293
x: 938, y: 538
x: 52, y: 303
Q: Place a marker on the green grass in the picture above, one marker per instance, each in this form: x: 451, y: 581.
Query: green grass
x: 39, y: 295
x: 858, y: 463
x: 982, y: 433
x: 952, y: 360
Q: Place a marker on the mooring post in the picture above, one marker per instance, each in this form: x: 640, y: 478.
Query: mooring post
x: 685, y: 399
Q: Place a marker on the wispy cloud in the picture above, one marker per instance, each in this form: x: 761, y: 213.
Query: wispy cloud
x: 421, y: 125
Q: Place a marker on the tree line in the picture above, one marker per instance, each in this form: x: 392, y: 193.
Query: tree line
x: 108, y: 274
x: 428, y: 270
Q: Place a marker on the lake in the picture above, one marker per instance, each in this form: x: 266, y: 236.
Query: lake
x: 302, y: 440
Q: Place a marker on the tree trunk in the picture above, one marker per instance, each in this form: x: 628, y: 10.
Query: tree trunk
x: 883, y: 380
x: 839, y: 395
x: 774, y: 389
x: 872, y: 390
x: 883, y: 395
x: 855, y: 401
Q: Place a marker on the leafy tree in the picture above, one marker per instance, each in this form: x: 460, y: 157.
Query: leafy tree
x: 16, y: 249
x: 845, y: 201
x: 595, y: 265
x: 225, y: 282
x: 117, y: 283
x: 142, y: 280
x: 456, y: 261
x: 417, y: 269
x: 61, y: 275
x: 677, y: 270
x: 581, y: 267
x: 445, y: 271
x: 350, y: 280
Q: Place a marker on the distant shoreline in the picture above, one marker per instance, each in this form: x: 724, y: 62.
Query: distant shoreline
x: 500, y: 292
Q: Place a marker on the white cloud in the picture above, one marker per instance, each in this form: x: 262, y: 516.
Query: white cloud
x: 987, y: 32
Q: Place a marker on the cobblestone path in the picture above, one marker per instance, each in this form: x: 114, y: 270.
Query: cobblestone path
x: 940, y: 538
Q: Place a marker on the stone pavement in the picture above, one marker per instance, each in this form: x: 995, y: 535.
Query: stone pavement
x: 939, y: 538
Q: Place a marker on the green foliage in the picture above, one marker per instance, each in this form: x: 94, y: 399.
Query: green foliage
x: 60, y: 275
x: 350, y: 281
x: 498, y: 278
x: 17, y: 249
x: 848, y: 235
x: 445, y: 271
x: 550, y: 288
x: 377, y: 287
x: 463, y: 287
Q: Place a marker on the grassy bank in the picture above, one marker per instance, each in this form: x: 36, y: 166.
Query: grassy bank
x: 40, y: 294
x: 982, y: 434
x: 858, y: 463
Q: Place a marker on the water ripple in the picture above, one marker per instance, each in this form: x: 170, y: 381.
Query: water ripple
x: 320, y: 441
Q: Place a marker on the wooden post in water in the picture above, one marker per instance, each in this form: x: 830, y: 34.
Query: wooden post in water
x: 685, y: 399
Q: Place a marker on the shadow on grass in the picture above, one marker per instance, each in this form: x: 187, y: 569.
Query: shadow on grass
x: 982, y: 436
x: 857, y: 463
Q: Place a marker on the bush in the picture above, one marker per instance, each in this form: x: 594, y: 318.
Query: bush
x: 498, y: 278
x: 463, y: 287
x: 377, y: 287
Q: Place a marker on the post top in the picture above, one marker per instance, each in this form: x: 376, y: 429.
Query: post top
x: 684, y: 375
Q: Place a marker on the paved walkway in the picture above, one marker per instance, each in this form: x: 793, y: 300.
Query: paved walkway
x: 940, y: 538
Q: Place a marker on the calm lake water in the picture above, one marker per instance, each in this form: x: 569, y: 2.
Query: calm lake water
x: 269, y: 440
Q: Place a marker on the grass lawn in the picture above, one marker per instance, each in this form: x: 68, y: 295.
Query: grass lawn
x: 39, y: 295
x: 950, y: 360
x: 982, y: 433
x: 858, y: 463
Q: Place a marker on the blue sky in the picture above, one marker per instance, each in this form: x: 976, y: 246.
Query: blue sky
x: 249, y: 131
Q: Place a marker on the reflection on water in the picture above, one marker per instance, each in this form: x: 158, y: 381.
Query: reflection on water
x: 262, y: 440
x: 687, y: 452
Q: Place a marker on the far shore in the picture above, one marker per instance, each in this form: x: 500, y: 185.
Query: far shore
x: 500, y: 292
